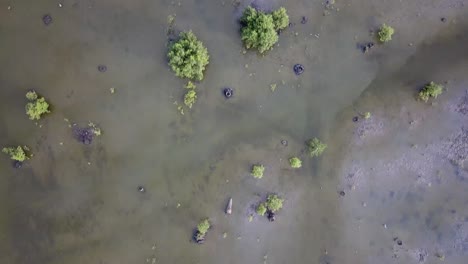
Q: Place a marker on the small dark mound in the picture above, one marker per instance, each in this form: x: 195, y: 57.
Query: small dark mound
x: 102, y: 68
x: 342, y: 193
x: 443, y: 19
x: 284, y: 142
x: 303, y: 20
x: 355, y: 119
x: 271, y: 216
x: 17, y: 164
x: 228, y: 92
x: 199, y: 239
x: 298, y: 69
x: 46, y: 19
x: 141, y: 189
x: 84, y: 135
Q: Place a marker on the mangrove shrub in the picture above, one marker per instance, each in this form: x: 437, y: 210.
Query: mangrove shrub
x: 202, y: 229
x: 316, y: 147
x: 188, y: 57
x: 274, y: 203
x: 259, y: 30
x: 257, y: 171
x: 431, y: 89
x: 295, y: 162
x: 18, y: 153
x: 385, y: 33
x: 36, y: 106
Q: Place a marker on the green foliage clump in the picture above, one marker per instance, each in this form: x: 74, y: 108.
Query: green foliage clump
x: 280, y: 18
x: 190, y: 85
x: 37, y: 106
x: 261, y: 209
x: 259, y: 29
x: 202, y: 229
x: 257, y: 171
x: 188, y: 57
x: 190, y: 97
x: 31, y: 95
x: 203, y: 226
x: 431, y: 89
x: 274, y: 203
x: 367, y: 115
x: 316, y: 147
x: 385, y: 33
x: 18, y: 153
x: 295, y: 162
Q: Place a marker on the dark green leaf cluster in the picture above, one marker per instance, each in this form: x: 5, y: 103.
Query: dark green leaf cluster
x: 260, y: 30
x: 188, y: 57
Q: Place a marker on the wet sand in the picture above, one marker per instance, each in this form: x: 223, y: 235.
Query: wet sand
x: 402, y: 170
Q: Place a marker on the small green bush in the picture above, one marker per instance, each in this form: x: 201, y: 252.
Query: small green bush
x: 280, y: 18
x: 274, y: 203
x: 190, y: 85
x: 17, y: 153
x: 259, y: 29
x: 385, y: 33
x: 431, y: 89
x: 295, y: 162
x: 257, y: 171
x: 188, y: 57
x: 190, y: 98
x: 316, y: 147
x: 367, y: 115
x: 261, y: 209
x: 203, y: 226
x: 37, y: 106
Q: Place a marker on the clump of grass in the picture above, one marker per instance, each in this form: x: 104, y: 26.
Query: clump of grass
x: 188, y: 56
x: 295, y: 162
x: 190, y: 97
x: 261, y: 209
x: 18, y: 153
x: 431, y: 89
x: 385, y: 33
x: 259, y: 30
x: 257, y: 171
x: 36, y: 106
x: 316, y: 147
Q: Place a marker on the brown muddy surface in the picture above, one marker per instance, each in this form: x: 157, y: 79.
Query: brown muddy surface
x: 389, y: 189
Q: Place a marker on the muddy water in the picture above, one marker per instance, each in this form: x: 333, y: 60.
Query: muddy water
x: 79, y: 204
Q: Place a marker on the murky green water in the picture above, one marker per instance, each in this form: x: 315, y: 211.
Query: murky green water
x: 73, y: 203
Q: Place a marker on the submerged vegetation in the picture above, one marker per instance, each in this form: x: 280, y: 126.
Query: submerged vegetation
x: 17, y: 154
x: 385, y: 33
x: 36, y: 106
x: 316, y: 147
x: 259, y: 30
x: 431, y: 89
x: 188, y: 56
x: 295, y: 162
x: 202, y: 229
x: 257, y: 171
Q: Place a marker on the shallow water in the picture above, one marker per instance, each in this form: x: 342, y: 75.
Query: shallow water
x: 73, y: 203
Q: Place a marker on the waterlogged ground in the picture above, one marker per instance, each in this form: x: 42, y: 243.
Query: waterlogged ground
x: 389, y: 189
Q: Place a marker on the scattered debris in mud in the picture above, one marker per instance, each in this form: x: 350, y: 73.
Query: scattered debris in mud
x: 86, y: 135
x: 366, y: 47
